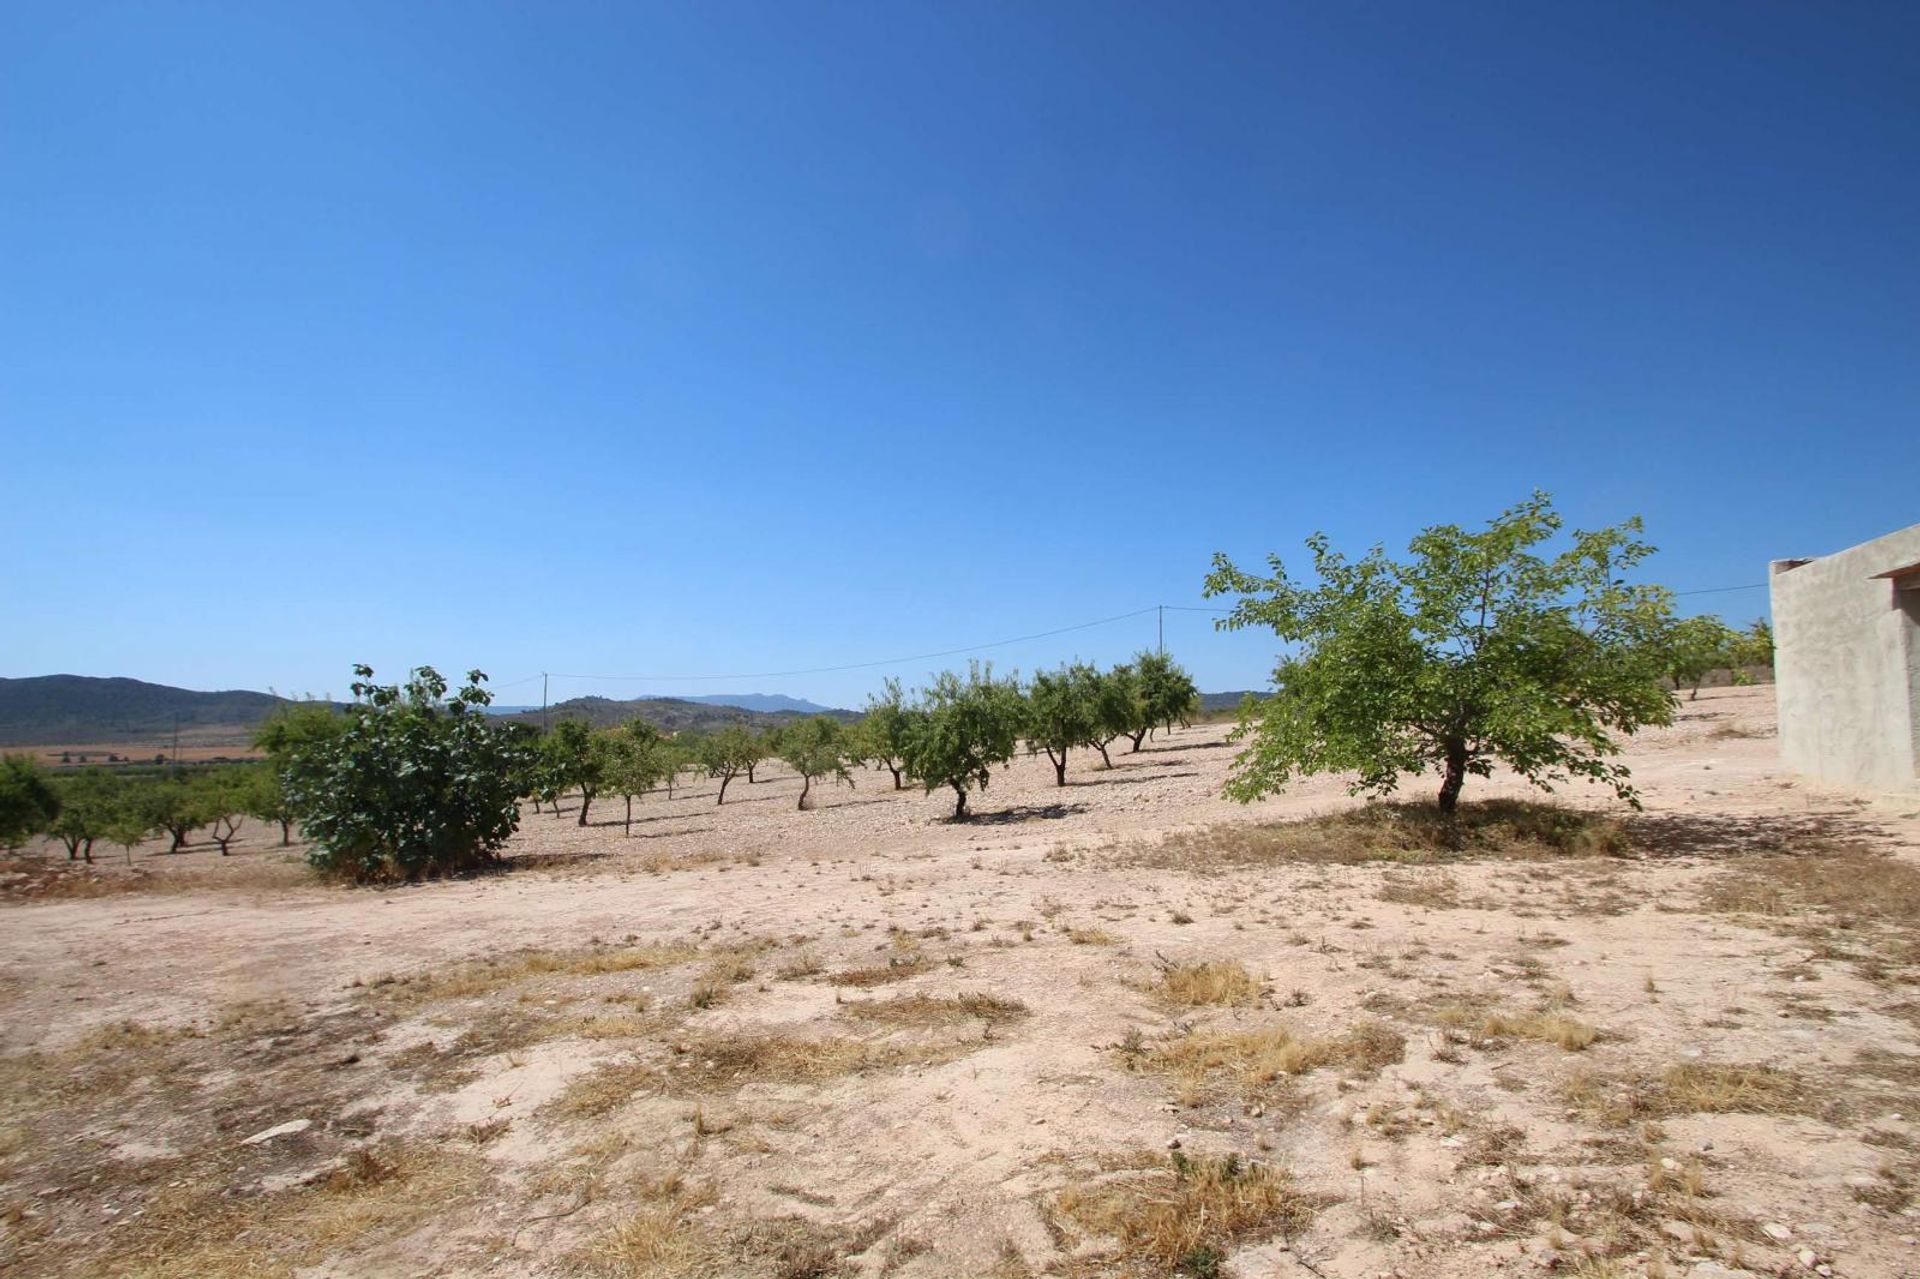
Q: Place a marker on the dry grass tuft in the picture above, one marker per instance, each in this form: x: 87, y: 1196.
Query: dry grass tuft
x: 1393, y: 832
x: 1257, y: 1059
x: 1435, y: 890
x: 1208, y: 981
x: 896, y: 969
x: 661, y: 1240
x: 937, y: 1010
x: 1690, y: 1088
x: 1188, y: 1214
x: 484, y: 977
x: 734, y: 1061
x: 1569, y: 1034
x: 195, y: 1231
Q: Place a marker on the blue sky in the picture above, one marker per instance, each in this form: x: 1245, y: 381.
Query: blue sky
x: 714, y: 338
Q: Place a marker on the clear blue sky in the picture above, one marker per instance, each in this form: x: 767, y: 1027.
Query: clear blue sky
x: 714, y: 338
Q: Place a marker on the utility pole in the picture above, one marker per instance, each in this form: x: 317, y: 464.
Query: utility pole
x: 1163, y: 628
x: 543, y: 701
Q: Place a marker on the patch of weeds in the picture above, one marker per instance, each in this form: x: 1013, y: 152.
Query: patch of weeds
x: 1391, y: 832
x: 1435, y: 890
x: 936, y: 1010
x: 1690, y: 1088
x: 1210, y: 981
x: 895, y: 969
x: 1180, y: 1215
x: 1258, y: 1060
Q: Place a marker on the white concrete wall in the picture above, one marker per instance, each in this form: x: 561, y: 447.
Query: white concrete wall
x: 1847, y: 665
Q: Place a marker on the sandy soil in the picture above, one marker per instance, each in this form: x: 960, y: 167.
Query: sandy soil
x: 195, y: 1001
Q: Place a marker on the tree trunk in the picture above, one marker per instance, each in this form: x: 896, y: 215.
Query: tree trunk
x: 1105, y: 759
x: 629, y: 829
x: 586, y: 798
x: 751, y: 779
x: 960, y: 804
x: 722, y: 797
x: 87, y: 850
x: 1138, y: 737
x: 179, y: 841
x: 1059, y: 766
x: 806, y: 784
x: 896, y: 777
x: 1456, y: 775
x: 286, y: 831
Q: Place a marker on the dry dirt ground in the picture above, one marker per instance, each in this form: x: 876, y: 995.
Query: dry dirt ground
x: 1124, y: 1027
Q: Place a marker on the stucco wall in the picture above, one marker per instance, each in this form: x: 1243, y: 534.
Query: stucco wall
x: 1847, y: 665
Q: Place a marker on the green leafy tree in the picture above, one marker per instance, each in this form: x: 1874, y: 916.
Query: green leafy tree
x: 1062, y: 713
x: 1694, y: 648
x: 1477, y: 648
x: 130, y: 820
x: 266, y: 798
x: 1115, y: 698
x: 963, y: 728
x: 1163, y: 695
x: 815, y: 747
x: 727, y: 754
x: 576, y: 759
x: 177, y: 807
x: 676, y: 755
x: 225, y: 797
x: 763, y: 746
x: 293, y: 728
x: 636, y: 761
x: 886, y: 729
x: 417, y: 783
x: 89, y: 800
x: 1754, y: 647
x: 28, y: 802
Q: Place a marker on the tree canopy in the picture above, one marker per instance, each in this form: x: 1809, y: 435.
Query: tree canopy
x: 28, y: 801
x: 415, y: 784
x: 815, y: 747
x: 1479, y: 647
x: 963, y: 729
x: 1063, y: 711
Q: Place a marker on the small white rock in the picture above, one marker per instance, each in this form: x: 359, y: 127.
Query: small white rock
x: 278, y: 1130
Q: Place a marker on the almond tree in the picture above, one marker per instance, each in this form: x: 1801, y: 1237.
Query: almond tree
x: 88, y: 799
x: 886, y: 729
x: 1479, y: 647
x: 635, y: 763
x: 815, y: 747
x: 961, y: 730
x: 1062, y: 713
x: 1163, y: 695
x: 727, y: 754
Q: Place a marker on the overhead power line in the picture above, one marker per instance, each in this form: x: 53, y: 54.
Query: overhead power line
x: 962, y: 649
x: 859, y: 666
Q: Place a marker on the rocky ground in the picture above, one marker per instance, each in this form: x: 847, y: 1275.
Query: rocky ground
x: 1124, y: 1027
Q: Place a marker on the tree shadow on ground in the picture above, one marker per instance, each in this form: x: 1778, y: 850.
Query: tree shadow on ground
x: 1101, y: 780
x: 1024, y: 813
x: 1663, y: 836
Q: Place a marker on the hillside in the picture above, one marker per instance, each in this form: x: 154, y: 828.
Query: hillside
x: 80, y: 709
x: 669, y: 714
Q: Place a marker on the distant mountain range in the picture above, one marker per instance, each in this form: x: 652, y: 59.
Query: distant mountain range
x: 80, y: 710
x: 677, y: 714
x: 75, y: 710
